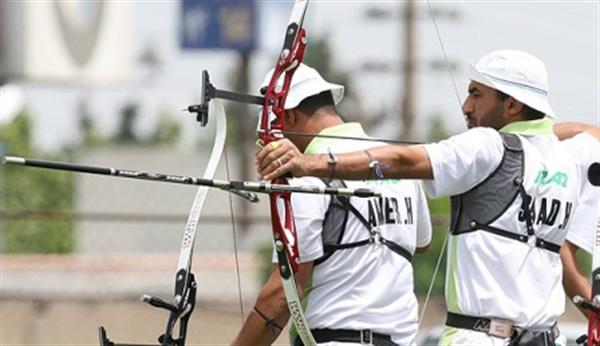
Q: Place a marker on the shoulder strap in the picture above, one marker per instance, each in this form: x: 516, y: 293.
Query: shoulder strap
x: 335, y: 222
x: 478, y: 208
x: 490, y: 199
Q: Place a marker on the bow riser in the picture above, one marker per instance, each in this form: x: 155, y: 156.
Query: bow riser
x: 284, y: 232
x: 272, y: 129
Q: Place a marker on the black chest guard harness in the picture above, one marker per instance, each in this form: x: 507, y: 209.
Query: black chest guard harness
x: 334, y: 226
x: 479, y: 207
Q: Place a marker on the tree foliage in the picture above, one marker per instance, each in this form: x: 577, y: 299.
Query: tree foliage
x: 25, y: 189
x: 126, y: 131
x: 167, y: 131
x: 87, y: 127
x: 424, y: 264
x: 318, y: 55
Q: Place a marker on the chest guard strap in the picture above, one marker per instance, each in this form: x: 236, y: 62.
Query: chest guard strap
x: 334, y: 227
x: 479, y: 207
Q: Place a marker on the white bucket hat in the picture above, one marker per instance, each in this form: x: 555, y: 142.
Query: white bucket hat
x: 517, y: 74
x: 306, y: 82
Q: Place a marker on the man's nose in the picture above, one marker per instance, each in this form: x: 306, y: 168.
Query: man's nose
x: 467, y: 109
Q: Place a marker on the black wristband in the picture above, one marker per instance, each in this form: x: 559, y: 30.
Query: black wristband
x: 270, y: 322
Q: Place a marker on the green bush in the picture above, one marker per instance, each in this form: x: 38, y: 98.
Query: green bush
x: 25, y: 190
x: 424, y: 264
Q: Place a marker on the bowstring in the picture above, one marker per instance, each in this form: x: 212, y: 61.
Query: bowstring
x: 235, y: 247
x: 444, y: 53
x: 449, y: 69
x: 431, y: 283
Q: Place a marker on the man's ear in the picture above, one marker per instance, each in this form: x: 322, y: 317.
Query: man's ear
x: 515, y: 107
x: 290, y: 117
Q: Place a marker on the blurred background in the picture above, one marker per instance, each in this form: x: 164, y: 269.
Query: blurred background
x: 104, y: 83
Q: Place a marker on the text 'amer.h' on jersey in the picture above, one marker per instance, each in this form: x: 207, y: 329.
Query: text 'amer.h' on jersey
x: 370, y: 286
x: 493, y: 276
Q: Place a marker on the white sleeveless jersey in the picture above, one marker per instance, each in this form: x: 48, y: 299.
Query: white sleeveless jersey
x: 494, y: 276
x: 370, y: 286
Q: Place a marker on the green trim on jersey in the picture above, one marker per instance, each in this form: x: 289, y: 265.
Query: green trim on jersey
x: 449, y: 334
x: 346, y: 129
x: 452, y: 290
x: 530, y: 127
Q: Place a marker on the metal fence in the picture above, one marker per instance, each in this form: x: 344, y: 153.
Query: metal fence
x: 127, y: 235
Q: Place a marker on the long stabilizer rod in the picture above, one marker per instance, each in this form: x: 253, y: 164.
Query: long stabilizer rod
x: 123, y: 173
x: 244, y: 189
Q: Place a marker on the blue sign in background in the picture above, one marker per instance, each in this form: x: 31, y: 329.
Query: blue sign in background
x: 227, y: 24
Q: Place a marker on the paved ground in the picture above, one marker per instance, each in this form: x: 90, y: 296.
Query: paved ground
x: 62, y: 300
x: 37, y: 323
x: 76, y: 323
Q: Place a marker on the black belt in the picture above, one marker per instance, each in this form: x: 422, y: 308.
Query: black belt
x: 541, y: 243
x: 497, y: 327
x: 494, y: 327
x: 344, y: 335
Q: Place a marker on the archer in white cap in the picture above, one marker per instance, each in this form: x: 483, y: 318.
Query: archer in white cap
x: 355, y: 252
x: 514, y: 188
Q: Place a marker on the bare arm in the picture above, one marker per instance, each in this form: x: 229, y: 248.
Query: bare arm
x: 272, y: 304
x: 570, y: 129
x: 574, y: 281
x: 422, y: 249
x: 396, y: 162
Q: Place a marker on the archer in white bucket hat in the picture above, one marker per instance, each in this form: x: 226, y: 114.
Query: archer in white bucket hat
x: 306, y: 82
x: 349, y: 282
x: 503, y: 244
x: 517, y: 74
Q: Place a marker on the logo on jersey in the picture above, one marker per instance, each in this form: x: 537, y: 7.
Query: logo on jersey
x: 558, y: 178
x: 388, y: 210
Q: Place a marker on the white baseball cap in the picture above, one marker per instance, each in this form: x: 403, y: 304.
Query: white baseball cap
x: 517, y: 74
x: 306, y: 82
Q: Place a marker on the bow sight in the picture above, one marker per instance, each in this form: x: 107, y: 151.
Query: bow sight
x: 209, y: 92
